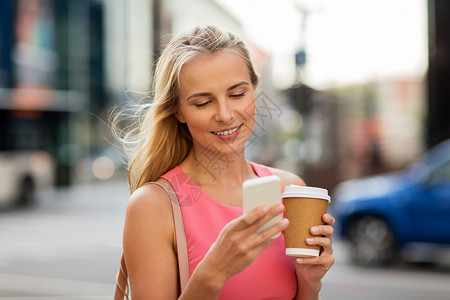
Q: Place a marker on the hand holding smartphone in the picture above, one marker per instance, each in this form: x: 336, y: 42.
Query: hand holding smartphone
x: 262, y: 191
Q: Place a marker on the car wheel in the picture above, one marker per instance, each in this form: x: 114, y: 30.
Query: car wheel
x: 372, y: 240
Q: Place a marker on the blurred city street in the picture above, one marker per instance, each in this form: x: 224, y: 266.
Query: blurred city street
x: 414, y: 282
x: 67, y: 246
x: 346, y: 102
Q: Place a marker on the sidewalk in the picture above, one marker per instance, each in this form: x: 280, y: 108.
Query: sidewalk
x: 67, y: 246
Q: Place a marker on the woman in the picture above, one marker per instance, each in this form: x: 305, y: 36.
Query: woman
x: 193, y: 136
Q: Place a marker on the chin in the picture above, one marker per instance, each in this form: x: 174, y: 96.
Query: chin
x: 218, y: 149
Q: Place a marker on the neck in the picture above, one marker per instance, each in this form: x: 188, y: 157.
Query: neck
x: 212, y: 168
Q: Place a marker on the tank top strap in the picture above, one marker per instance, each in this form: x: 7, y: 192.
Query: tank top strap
x: 172, y: 173
x: 260, y: 170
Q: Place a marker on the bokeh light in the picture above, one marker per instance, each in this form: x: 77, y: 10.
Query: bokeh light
x: 41, y: 162
x: 103, y: 168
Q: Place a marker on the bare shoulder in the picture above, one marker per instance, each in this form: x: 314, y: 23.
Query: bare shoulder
x: 149, y: 197
x: 148, y: 209
x: 149, y: 212
x: 287, y: 178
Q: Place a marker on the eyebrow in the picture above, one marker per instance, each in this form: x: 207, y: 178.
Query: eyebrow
x: 237, y: 85
x: 209, y: 94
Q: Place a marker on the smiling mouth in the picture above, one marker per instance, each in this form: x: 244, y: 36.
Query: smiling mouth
x: 227, y: 132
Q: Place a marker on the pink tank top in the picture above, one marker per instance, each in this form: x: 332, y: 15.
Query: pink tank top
x: 270, y: 276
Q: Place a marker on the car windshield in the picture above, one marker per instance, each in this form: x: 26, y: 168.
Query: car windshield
x: 430, y: 161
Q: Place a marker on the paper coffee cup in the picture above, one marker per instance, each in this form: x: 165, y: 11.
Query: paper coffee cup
x: 304, y: 207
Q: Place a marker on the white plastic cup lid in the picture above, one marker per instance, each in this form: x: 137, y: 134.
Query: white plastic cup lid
x: 293, y: 190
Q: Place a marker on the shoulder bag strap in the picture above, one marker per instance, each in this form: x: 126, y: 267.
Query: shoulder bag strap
x: 180, y: 234
x: 122, y: 288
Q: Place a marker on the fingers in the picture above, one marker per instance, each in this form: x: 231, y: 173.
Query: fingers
x: 251, y: 217
x: 258, y: 217
x: 274, y: 211
x: 328, y: 219
x: 323, y: 235
x: 247, y: 226
x: 324, y: 230
x: 325, y: 261
x: 325, y: 243
x: 270, y: 232
x: 240, y: 239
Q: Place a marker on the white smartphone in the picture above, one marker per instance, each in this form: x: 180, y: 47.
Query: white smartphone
x: 259, y: 191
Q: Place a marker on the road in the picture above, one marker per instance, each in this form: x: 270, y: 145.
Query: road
x: 346, y: 281
x: 68, y: 245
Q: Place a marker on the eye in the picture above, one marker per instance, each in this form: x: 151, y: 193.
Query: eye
x: 203, y: 104
x: 237, y: 95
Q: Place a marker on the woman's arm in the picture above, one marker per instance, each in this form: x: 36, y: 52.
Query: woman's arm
x: 148, y: 245
x: 150, y: 257
x: 310, y: 271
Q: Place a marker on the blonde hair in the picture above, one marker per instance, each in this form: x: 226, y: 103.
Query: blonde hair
x: 158, y: 142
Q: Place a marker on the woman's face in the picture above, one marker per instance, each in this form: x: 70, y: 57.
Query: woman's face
x: 217, y: 102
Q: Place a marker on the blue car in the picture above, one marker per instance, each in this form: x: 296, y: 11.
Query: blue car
x: 383, y: 214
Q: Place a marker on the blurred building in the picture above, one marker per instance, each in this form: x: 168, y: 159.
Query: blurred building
x: 136, y: 31
x: 359, y: 130
x: 51, y: 76
x: 65, y: 63
x: 376, y: 126
x: 438, y: 87
x: 381, y: 126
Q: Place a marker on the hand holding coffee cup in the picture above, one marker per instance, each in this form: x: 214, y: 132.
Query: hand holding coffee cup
x: 304, y: 208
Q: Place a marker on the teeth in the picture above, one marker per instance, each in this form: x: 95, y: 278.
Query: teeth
x: 227, y: 132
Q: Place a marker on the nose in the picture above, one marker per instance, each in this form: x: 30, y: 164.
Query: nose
x: 224, y: 112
